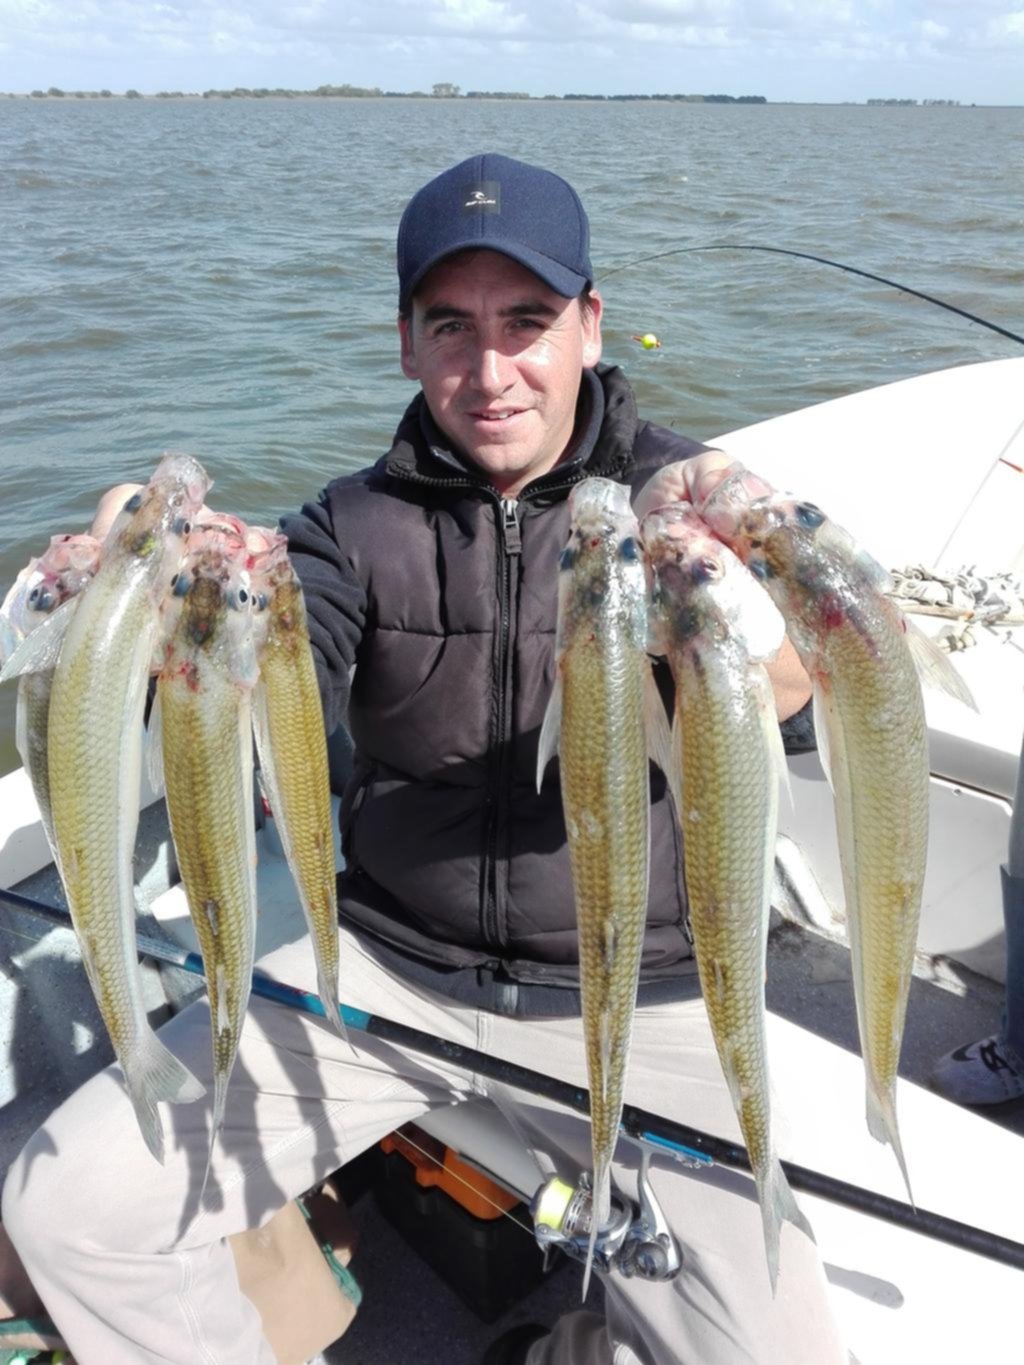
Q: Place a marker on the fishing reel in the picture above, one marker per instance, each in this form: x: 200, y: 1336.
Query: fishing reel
x: 634, y: 1241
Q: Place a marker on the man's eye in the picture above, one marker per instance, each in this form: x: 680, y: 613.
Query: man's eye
x: 529, y: 324
x: 447, y: 328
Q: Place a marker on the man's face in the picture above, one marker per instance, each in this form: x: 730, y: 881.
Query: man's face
x: 500, y: 358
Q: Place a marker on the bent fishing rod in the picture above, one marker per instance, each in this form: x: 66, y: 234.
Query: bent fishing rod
x: 818, y: 260
x: 675, y: 1139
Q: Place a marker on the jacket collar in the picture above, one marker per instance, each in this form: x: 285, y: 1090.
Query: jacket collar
x: 603, y: 444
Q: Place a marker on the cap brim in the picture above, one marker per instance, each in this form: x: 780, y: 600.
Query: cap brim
x: 568, y: 283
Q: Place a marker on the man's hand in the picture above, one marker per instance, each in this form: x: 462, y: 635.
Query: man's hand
x: 692, y: 481
x: 685, y: 481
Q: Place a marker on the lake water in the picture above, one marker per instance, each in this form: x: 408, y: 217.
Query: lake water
x: 218, y: 276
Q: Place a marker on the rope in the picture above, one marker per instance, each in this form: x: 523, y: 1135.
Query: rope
x: 966, y: 597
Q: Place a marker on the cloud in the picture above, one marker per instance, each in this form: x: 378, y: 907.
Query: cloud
x: 1008, y: 26
x: 649, y: 44
x: 491, y: 16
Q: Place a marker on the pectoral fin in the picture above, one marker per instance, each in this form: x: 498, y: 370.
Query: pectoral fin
x: 935, y: 668
x: 824, y: 722
x: 774, y: 746
x: 155, y: 743
x: 549, y: 731
x: 40, y: 651
x: 659, y: 735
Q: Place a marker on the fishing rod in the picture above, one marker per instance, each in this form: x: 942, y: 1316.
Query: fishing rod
x: 668, y: 1135
x: 820, y: 260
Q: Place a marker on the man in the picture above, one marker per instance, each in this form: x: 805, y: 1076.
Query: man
x: 433, y: 575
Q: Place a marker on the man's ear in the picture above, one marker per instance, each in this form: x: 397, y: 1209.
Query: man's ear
x: 591, y: 320
x: 409, y: 366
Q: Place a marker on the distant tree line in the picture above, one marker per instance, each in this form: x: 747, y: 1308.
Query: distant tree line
x: 441, y: 90
x: 677, y: 98
x: 951, y: 104
x: 54, y: 93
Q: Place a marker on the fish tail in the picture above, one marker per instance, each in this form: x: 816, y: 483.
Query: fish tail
x: 601, y: 1212
x: 220, y: 1097
x: 777, y: 1205
x: 881, y: 1116
x: 154, y: 1073
x: 327, y: 986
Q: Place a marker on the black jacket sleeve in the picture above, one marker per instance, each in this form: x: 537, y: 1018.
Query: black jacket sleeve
x: 335, y: 603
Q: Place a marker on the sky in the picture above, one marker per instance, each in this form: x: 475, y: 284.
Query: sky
x: 803, y: 50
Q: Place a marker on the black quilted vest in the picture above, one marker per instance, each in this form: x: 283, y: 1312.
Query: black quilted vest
x: 452, y: 856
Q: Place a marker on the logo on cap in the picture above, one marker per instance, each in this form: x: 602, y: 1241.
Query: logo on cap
x: 482, y: 197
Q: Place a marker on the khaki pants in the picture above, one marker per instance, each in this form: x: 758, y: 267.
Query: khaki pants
x: 134, y: 1272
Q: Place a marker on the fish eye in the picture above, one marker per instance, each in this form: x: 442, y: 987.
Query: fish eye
x: 175, y: 579
x: 243, y: 596
x: 567, y: 558
x: 181, y: 585
x: 808, y: 515
x: 33, y: 597
x: 134, y: 503
x: 629, y: 550
x: 760, y: 568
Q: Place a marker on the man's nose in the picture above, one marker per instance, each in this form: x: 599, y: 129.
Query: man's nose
x: 492, y: 370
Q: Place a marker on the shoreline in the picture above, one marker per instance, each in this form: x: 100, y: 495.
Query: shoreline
x: 310, y: 97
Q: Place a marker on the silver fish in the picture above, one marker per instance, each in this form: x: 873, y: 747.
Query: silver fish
x: 202, y: 718
x: 716, y: 626
x: 96, y: 706
x: 597, y: 719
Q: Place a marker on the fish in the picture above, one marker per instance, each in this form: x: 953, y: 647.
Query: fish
x: 95, y: 743
x: 202, y: 726
x: 717, y: 628
x: 603, y: 703
x: 41, y: 589
x: 288, y: 723
x: 863, y: 660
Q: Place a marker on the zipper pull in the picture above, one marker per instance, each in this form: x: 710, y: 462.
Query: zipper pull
x: 510, y: 536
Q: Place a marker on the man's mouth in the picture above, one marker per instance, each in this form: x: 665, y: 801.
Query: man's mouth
x: 500, y: 416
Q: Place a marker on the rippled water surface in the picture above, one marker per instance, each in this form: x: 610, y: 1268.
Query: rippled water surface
x: 218, y: 277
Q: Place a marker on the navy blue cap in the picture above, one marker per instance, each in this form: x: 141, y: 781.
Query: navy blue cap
x: 494, y: 203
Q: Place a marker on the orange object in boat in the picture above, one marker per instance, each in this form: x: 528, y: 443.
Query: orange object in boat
x: 437, y: 1166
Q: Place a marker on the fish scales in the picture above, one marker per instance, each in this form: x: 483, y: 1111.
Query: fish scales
x: 716, y: 626
x: 290, y: 737
x: 204, y: 693
x: 873, y: 739
x: 603, y: 755
x: 597, y: 718
x: 95, y: 730
x: 878, y: 733
x: 33, y: 726
x: 727, y: 786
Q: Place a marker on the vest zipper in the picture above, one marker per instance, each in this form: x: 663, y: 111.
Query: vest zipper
x: 496, y: 871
